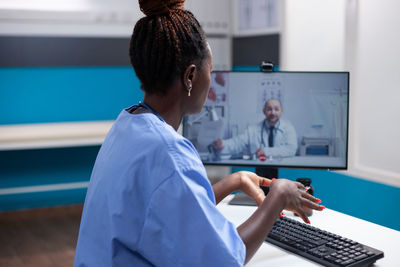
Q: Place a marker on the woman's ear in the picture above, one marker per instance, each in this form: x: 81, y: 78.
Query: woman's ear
x: 188, y: 76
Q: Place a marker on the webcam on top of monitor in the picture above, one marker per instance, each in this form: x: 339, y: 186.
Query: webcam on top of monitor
x: 267, y: 66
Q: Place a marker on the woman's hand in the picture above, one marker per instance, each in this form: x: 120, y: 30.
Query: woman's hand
x: 295, y: 197
x: 249, y: 183
x: 283, y: 194
x: 245, y: 181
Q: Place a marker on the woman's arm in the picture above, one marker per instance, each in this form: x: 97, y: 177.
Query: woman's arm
x: 256, y: 228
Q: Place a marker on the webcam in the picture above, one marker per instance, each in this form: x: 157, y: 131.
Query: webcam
x: 267, y: 66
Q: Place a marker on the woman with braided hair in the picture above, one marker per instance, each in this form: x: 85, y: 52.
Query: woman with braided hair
x: 149, y: 202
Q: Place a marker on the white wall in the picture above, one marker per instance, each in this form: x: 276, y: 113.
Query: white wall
x: 362, y: 37
x: 97, y: 18
x: 312, y: 35
x: 375, y: 81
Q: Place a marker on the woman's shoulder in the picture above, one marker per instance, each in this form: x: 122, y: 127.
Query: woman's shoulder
x: 156, y: 136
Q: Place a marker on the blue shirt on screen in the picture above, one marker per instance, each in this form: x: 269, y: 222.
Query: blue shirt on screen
x: 149, y: 203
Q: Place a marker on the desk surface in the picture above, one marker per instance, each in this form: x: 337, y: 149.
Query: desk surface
x: 367, y: 233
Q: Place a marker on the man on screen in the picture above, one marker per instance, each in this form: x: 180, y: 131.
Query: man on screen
x: 272, y: 137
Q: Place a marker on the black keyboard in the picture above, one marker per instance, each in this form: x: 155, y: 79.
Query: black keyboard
x: 320, y: 246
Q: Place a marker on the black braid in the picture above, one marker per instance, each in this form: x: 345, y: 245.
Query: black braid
x: 163, y: 45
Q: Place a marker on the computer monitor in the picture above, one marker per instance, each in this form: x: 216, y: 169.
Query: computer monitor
x: 309, y: 112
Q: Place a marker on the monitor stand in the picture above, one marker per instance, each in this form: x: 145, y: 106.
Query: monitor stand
x: 243, y: 199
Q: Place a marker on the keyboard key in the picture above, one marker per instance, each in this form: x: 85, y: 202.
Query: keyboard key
x: 274, y: 236
x: 362, y: 256
x: 338, y: 261
x: 329, y: 258
x: 287, y: 241
x: 301, y: 247
x: 347, y: 262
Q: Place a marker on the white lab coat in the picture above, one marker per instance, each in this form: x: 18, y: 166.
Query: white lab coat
x: 254, y: 137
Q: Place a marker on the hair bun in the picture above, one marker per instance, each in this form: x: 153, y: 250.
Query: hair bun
x: 157, y: 7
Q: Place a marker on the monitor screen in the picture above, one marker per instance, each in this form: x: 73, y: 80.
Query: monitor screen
x: 274, y: 119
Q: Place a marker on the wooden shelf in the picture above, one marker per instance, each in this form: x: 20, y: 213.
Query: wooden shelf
x: 53, y: 135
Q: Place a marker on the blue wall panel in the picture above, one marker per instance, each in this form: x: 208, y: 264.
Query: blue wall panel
x: 27, y: 168
x: 42, y: 199
x: 46, y: 166
x: 58, y: 94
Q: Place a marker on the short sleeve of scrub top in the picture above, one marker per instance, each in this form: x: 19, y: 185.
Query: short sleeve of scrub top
x: 149, y: 203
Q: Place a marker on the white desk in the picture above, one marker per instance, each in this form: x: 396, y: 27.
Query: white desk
x: 370, y: 234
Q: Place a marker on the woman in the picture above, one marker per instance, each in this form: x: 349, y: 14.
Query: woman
x: 149, y: 201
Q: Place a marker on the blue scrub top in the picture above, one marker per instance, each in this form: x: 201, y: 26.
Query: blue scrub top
x: 149, y: 203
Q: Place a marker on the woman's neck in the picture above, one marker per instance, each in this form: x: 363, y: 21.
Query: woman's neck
x: 167, y: 106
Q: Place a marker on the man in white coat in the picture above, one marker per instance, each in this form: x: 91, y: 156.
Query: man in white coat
x: 272, y: 137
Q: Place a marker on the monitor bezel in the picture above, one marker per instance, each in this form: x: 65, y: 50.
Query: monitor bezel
x: 277, y: 166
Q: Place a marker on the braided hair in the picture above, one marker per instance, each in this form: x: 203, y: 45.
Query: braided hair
x: 165, y: 43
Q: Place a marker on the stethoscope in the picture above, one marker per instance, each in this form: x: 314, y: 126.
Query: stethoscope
x: 262, y: 132
x: 144, y: 105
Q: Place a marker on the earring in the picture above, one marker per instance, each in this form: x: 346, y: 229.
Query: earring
x: 189, y: 89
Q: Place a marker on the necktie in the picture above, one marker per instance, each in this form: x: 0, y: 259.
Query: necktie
x: 271, y: 136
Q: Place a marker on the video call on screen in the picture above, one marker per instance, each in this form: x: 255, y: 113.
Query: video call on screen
x: 313, y: 122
